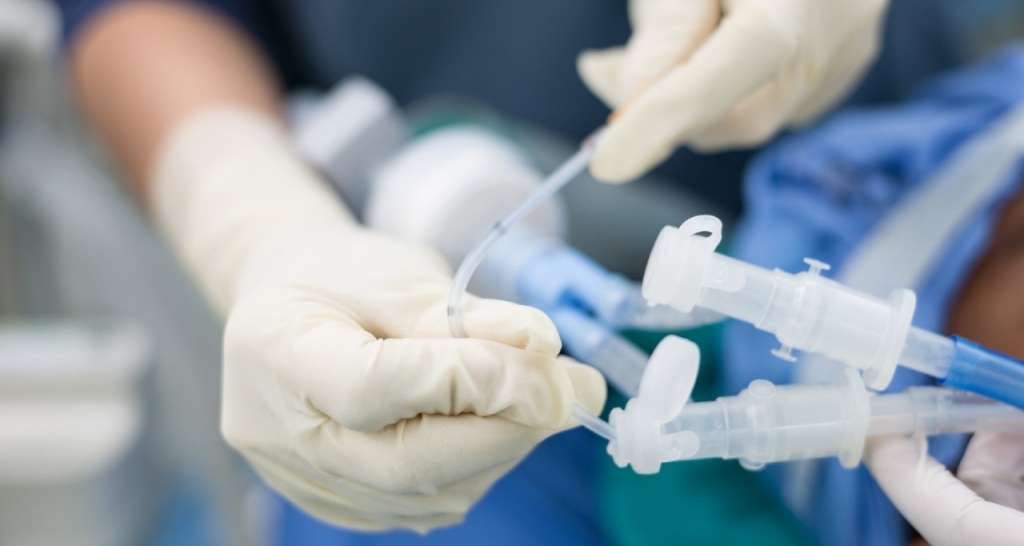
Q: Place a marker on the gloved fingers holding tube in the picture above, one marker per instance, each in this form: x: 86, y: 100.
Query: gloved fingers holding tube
x: 342, y: 386
x: 981, y: 505
x: 715, y: 74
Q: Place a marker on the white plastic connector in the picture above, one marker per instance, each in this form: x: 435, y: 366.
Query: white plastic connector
x: 858, y: 404
x: 805, y: 311
x: 902, y: 303
x: 785, y: 352
x: 785, y: 423
x: 665, y: 388
x: 678, y: 261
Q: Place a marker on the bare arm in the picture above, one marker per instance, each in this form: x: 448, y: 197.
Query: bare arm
x: 142, y: 67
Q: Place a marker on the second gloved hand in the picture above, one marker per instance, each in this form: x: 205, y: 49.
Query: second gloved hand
x: 714, y: 74
x: 342, y: 385
x: 982, y: 504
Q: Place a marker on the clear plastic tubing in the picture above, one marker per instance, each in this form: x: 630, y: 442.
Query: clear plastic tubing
x: 764, y: 429
x: 636, y: 314
x: 557, y: 180
x: 593, y: 343
x: 927, y: 352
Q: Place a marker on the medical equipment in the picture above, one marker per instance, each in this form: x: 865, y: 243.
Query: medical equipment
x: 811, y: 313
x: 585, y: 301
x: 564, y: 174
x: 767, y: 423
x: 568, y: 171
x: 77, y: 464
x: 530, y: 264
x: 444, y: 186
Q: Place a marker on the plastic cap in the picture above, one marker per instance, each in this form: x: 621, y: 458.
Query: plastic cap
x: 668, y: 379
x: 665, y: 388
x: 675, y: 269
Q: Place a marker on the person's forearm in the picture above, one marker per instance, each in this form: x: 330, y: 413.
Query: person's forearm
x: 142, y: 67
x: 192, y: 113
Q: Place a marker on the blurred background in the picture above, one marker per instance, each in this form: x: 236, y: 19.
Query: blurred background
x: 109, y: 357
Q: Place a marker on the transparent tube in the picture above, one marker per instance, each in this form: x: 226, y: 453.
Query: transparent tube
x: 593, y: 343
x: 635, y: 313
x: 808, y: 421
x: 927, y: 353
x: 564, y: 174
x: 593, y: 423
x: 619, y: 360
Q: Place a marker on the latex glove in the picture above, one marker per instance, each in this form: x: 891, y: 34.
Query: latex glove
x: 714, y: 74
x: 983, y: 506
x: 342, y: 386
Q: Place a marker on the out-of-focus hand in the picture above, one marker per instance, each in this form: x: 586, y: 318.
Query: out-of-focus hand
x: 982, y: 504
x: 714, y: 74
x: 342, y: 385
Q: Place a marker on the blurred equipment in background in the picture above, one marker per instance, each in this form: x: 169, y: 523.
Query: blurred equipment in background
x: 76, y: 461
x: 73, y: 244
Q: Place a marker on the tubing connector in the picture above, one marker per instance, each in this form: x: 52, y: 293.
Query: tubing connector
x: 987, y: 372
x: 805, y: 311
x: 665, y: 388
x: 680, y: 257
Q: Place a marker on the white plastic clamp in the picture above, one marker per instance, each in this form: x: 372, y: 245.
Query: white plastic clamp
x: 664, y: 389
x: 679, y: 259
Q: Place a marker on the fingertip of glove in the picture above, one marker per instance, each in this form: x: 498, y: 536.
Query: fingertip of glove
x: 600, y: 71
x: 589, y: 386
x: 608, y: 174
x: 609, y: 166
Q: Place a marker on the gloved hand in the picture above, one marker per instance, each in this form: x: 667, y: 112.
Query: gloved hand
x: 714, y: 74
x: 983, y: 506
x: 342, y: 386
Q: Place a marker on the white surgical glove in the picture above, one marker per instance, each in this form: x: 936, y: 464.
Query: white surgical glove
x: 983, y: 506
x: 714, y: 74
x: 342, y: 386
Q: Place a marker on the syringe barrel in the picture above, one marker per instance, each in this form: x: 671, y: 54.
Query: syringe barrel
x: 766, y: 423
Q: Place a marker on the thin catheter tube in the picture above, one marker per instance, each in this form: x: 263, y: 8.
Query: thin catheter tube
x: 557, y: 180
x: 593, y: 423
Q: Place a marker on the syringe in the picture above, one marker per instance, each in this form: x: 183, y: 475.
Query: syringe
x: 809, y: 312
x: 766, y: 423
